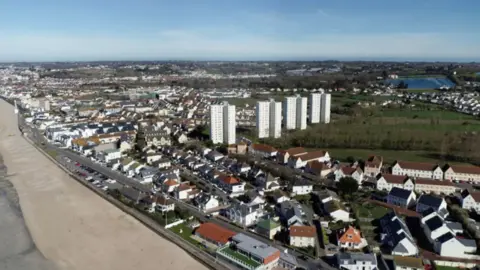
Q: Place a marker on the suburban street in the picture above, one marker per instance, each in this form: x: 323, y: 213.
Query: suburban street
x: 35, y: 135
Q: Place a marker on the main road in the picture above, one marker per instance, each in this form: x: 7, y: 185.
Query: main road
x: 71, y: 226
x: 35, y: 135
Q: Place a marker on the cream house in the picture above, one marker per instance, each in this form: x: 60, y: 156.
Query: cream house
x: 355, y: 173
x: 388, y: 181
x: 434, y: 186
x: 462, y: 173
x: 416, y: 169
x: 301, y: 161
x: 373, y: 165
x: 302, y: 236
x: 471, y: 200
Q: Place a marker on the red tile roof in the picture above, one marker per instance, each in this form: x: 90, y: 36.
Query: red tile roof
x: 303, y: 231
x: 263, y: 148
x: 311, y: 155
x: 348, y: 170
x: 417, y: 165
x: 465, y: 169
x: 230, y: 180
x: 170, y: 182
x: 428, y: 181
x: 374, y: 161
x: 351, y: 235
x: 214, y: 233
x: 394, y: 179
x: 296, y: 151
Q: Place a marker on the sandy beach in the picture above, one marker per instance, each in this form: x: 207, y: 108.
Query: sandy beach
x: 72, y: 227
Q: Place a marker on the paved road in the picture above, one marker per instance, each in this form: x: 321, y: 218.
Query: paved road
x: 36, y: 136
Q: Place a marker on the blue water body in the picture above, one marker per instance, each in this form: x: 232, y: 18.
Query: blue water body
x: 478, y: 73
x: 422, y: 83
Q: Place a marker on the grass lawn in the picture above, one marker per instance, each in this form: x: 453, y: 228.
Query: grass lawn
x: 52, y: 153
x: 414, y: 90
x: 241, y: 102
x: 427, y: 114
x: 389, y: 156
x: 440, y: 267
x: 240, y: 257
x: 185, y: 233
x: 368, y: 210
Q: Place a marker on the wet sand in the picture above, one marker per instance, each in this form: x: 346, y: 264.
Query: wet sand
x: 71, y: 226
x: 17, y: 250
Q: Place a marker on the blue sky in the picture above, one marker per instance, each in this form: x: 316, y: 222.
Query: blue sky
x: 59, y: 30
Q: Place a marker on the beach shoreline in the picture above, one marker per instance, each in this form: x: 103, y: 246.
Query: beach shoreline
x: 71, y: 226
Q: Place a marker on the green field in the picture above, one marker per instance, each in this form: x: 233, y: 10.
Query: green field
x: 439, y: 267
x: 241, y: 102
x: 367, y: 210
x: 413, y: 90
x: 389, y: 156
x: 425, y: 114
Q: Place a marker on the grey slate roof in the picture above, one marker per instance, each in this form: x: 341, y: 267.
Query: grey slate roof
x: 467, y: 242
x: 253, y: 246
x: 400, y: 193
x: 430, y: 200
x: 353, y: 258
x: 445, y: 237
x: 434, y: 223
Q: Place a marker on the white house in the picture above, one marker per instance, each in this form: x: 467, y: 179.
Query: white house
x: 169, y: 185
x: 163, y: 163
x: 206, y: 202
x: 355, y: 173
x: 109, y: 155
x: 245, y: 214
x: 336, y: 211
x: 427, y: 201
x: 301, y: 187
x: 434, y: 186
x: 186, y: 191
x: 356, y: 261
x: 442, y: 236
x: 471, y: 200
x: 303, y: 236
x: 262, y: 150
x: 162, y: 204
x: 351, y: 239
x: 462, y: 173
x: 401, y: 197
x: 388, y: 181
x: 301, y: 161
x: 397, y: 236
x: 230, y: 184
x: 417, y: 169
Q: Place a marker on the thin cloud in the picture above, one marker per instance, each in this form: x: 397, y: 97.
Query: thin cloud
x: 322, y: 12
x: 183, y: 44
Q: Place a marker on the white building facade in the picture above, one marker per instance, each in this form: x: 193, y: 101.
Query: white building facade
x: 222, y: 123
x: 269, y: 119
x: 315, y: 103
x: 326, y: 100
x: 295, y: 112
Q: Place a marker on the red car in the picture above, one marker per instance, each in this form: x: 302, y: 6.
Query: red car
x: 77, y: 164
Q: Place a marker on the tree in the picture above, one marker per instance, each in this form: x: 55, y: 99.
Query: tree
x: 347, y: 185
x: 402, y: 85
x: 384, y: 74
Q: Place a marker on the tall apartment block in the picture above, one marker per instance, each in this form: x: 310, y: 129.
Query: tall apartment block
x: 295, y: 112
x: 319, y: 111
x: 325, y: 108
x: 222, y: 123
x: 269, y: 119
x: 315, y: 103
